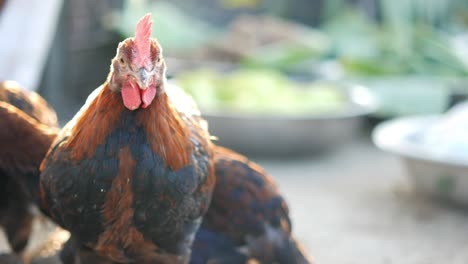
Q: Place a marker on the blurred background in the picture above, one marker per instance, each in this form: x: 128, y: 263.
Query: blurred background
x: 356, y: 107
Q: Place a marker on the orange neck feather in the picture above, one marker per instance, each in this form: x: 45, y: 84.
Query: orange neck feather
x: 95, y: 124
x: 167, y: 133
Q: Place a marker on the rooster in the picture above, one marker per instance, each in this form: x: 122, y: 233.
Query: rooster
x: 27, y: 129
x: 131, y: 175
x: 248, y: 219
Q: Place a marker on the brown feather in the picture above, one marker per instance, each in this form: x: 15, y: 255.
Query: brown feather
x: 168, y: 134
x: 24, y: 144
x: 24, y: 141
x: 95, y: 123
x: 29, y: 102
x: 120, y: 234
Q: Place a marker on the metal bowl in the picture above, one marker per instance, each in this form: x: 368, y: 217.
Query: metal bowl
x: 431, y: 174
x: 286, y: 135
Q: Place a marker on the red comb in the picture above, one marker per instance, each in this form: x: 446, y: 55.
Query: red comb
x: 142, y: 41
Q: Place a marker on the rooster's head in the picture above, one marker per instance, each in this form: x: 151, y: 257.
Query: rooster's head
x: 138, y: 69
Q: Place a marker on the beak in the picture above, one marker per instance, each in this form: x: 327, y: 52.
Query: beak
x: 143, y: 78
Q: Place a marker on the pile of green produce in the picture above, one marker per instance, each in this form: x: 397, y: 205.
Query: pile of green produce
x: 365, y: 48
x: 259, y: 91
x: 412, y: 38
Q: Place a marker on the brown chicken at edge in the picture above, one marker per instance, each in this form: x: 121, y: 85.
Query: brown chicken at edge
x: 27, y: 129
x: 30, y: 103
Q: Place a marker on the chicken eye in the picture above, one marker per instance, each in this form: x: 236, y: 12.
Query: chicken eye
x: 122, y: 61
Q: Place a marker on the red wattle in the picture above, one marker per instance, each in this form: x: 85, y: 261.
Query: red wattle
x: 131, y: 95
x: 147, y: 96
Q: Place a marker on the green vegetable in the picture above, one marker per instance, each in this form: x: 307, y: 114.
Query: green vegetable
x: 405, y: 43
x: 259, y: 91
x: 289, y: 56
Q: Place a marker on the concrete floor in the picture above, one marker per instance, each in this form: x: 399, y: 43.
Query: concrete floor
x: 355, y: 206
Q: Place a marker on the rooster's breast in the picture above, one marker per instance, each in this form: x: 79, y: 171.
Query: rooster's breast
x: 124, y: 189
